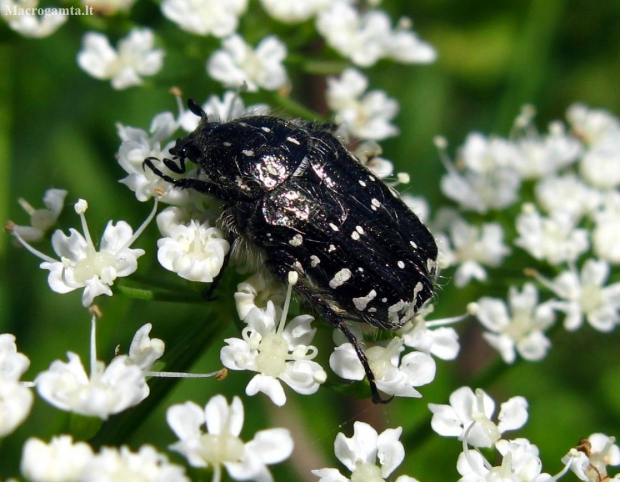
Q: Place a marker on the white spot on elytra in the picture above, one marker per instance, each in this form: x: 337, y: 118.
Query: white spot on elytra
x: 227, y: 144
x: 400, y: 264
x: 384, y: 300
x: 334, y: 227
x: 331, y: 248
x: 296, y: 240
x: 292, y: 140
x: 372, y: 178
x: 360, y: 269
x: 355, y: 235
x: 417, y: 290
x: 362, y: 303
x: 362, y: 183
x: 375, y: 202
x: 266, y: 129
x: 314, y: 261
x: 340, y: 278
x: 247, y: 152
x: 413, y: 244
x: 359, y: 229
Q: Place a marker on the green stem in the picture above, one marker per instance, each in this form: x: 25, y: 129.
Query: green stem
x: 158, y: 295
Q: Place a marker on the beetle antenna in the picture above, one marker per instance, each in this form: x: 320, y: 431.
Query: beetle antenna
x: 196, y: 109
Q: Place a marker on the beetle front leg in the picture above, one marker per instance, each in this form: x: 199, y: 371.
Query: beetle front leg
x: 199, y: 185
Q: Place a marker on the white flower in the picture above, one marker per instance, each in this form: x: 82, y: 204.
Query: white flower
x: 194, y: 251
x: 599, y: 165
x: 360, y: 454
x: 144, y: 351
x: 12, y: 363
x: 365, y: 115
x: 253, y: 296
x: 207, y: 17
x: 228, y: 108
x: 276, y: 355
x: 521, y: 330
x: 293, y: 11
x: 82, y: 266
x: 442, y: 342
x: 107, y: 391
x: 554, y: 239
x: 221, y: 445
x: 601, y: 132
x: 59, y: 461
x: 484, y: 155
x: 590, y: 459
x: 368, y: 152
x: 577, y: 461
x: 393, y: 375
x: 15, y: 403
x: 468, y: 417
x: 520, y: 463
x: 41, y: 219
x: 147, y: 465
x: 15, y: 399
x: 482, y: 180
x: 21, y: 18
x: 606, y: 232
x: 594, y: 126
x: 366, y: 38
x: 137, y: 145
x: 603, y: 452
x: 135, y: 58
x: 473, y: 248
x: 237, y: 63
x: 585, y: 295
x: 539, y: 157
x: 567, y: 193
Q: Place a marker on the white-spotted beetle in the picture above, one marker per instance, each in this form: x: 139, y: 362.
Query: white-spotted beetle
x: 300, y: 201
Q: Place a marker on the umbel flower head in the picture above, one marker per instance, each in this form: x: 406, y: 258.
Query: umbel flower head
x: 220, y: 445
x: 81, y: 265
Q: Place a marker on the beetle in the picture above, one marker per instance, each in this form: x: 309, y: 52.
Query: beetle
x: 301, y: 202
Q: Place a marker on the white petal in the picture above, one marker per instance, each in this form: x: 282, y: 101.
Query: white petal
x: 272, y: 445
x: 391, y: 452
x: 270, y: 386
x: 185, y: 420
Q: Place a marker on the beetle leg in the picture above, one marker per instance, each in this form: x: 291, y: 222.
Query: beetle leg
x: 199, y: 185
x: 320, y: 304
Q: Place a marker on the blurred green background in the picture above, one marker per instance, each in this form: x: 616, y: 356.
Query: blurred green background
x: 57, y: 129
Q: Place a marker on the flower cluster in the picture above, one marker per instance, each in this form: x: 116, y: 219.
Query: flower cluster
x: 69, y: 461
x: 566, y: 228
x: 468, y: 417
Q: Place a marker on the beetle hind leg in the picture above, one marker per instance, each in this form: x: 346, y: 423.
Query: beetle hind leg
x: 333, y: 317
